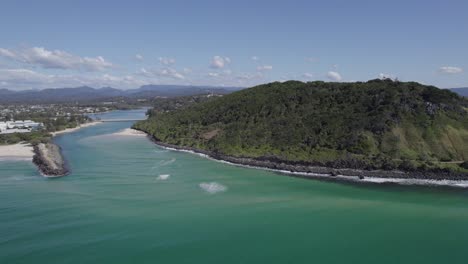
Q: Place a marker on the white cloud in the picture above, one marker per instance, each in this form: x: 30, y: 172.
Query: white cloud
x: 95, y: 64
x: 171, y: 73
x: 56, y: 59
x: 308, y: 75
x: 224, y: 73
x: 126, y: 81
x: 6, y: 53
x: 145, y: 72
x: 139, y: 57
x: 249, y: 77
x: 162, y: 73
x: 254, y: 58
x: 18, y: 79
x: 334, y: 76
x: 167, y: 61
x: 265, y: 68
x: 450, y: 69
x: 22, y: 76
x: 218, y: 62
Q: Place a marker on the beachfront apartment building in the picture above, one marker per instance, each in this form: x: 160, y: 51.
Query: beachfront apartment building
x: 3, y: 126
x: 23, y: 126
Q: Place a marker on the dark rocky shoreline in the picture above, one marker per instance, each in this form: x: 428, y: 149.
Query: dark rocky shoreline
x: 298, y: 168
x: 49, y: 160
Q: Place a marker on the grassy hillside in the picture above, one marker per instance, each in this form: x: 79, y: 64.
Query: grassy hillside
x: 377, y: 124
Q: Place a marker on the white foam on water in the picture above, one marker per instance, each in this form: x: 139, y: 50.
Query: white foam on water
x: 161, y: 151
x: 163, y: 177
x: 167, y: 162
x: 22, y: 178
x: 376, y: 180
x: 212, y: 187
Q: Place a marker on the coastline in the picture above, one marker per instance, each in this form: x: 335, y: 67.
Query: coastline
x: 27, y: 152
x: 69, y: 130
x: 20, y: 151
x: 326, y: 173
x: 129, y: 132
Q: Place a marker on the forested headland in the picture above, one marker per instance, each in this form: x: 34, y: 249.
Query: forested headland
x: 379, y: 124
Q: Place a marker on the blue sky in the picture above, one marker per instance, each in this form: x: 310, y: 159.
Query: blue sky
x: 125, y: 44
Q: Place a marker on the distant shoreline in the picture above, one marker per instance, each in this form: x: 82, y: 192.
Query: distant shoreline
x: 325, y: 173
x: 69, y: 130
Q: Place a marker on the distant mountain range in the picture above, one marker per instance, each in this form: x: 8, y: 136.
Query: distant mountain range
x: 85, y: 93
x: 461, y: 91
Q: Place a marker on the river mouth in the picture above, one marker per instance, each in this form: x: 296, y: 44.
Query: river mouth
x: 152, y: 205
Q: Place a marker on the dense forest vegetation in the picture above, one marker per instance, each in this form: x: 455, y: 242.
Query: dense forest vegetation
x: 168, y: 104
x: 379, y: 124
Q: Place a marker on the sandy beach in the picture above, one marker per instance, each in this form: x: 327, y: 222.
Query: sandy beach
x: 19, y: 151
x: 68, y: 130
x: 24, y: 151
x: 129, y: 132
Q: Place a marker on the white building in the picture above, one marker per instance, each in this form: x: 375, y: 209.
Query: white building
x: 3, y: 127
x: 19, y: 126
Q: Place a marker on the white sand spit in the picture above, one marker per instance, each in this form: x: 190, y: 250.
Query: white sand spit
x: 68, y: 130
x: 129, y: 132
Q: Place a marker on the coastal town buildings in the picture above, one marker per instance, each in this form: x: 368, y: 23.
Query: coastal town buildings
x: 23, y: 126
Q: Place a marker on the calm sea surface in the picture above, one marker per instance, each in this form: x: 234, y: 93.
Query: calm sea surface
x: 129, y: 201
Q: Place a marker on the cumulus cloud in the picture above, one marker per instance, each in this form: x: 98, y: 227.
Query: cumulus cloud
x: 450, y: 70
x: 308, y: 75
x: 18, y: 79
x: 95, y: 64
x: 265, y: 68
x: 139, y: 57
x: 249, y: 76
x: 7, y: 53
x: 171, y: 73
x: 22, y: 76
x: 218, y: 62
x: 56, y: 59
x: 334, y: 76
x: 167, y: 61
x: 162, y: 73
